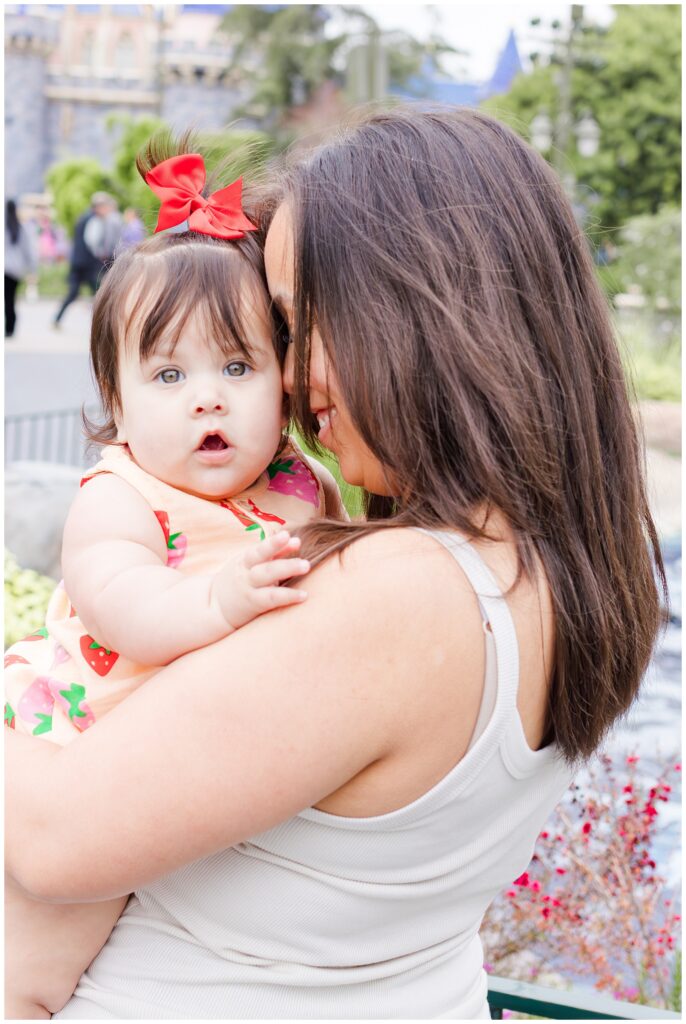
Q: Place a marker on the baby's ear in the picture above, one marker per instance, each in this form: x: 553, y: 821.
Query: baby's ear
x: 119, y: 424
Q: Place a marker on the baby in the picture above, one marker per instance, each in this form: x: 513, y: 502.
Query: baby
x: 179, y: 535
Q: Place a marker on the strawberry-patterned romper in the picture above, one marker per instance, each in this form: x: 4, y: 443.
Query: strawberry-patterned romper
x: 60, y: 680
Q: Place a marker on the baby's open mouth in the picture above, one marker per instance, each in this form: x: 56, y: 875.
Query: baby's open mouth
x: 213, y: 443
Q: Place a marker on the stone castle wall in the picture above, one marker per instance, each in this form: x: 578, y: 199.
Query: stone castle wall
x: 54, y: 110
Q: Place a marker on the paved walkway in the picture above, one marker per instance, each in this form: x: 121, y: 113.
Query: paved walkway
x: 35, y: 332
x: 48, y: 369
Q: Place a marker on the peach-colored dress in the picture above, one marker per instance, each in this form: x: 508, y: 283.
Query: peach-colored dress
x: 60, y: 680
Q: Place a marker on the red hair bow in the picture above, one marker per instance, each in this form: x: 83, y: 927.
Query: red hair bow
x: 179, y: 182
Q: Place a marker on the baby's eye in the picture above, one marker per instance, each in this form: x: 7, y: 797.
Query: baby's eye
x: 237, y: 369
x: 169, y: 376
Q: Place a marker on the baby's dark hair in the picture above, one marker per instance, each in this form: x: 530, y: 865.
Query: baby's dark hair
x: 157, y: 285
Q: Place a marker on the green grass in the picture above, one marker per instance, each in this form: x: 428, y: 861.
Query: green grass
x: 52, y: 281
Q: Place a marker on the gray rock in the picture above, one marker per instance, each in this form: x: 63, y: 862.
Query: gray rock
x: 37, y: 498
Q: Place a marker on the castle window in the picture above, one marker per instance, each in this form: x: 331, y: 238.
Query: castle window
x: 66, y: 121
x: 125, y: 52
x: 87, y: 45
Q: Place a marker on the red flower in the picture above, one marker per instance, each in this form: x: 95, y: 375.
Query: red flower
x: 523, y: 879
x: 543, y: 835
x: 536, y: 886
x: 587, y: 828
x: 510, y: 894
x: 632, y: 759
x: 628, y: 789
x: 677, y: 767
x: 650, y: 810
x: 546, y: 912
x: 561, y: 871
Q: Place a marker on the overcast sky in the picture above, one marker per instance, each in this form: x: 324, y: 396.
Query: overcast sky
x: 480, y: 30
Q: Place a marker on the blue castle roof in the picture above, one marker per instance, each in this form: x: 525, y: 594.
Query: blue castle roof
x: 508, y: 67
x: 435, y: 87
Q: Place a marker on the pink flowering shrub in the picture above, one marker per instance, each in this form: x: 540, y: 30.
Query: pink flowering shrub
x: 591, y: 902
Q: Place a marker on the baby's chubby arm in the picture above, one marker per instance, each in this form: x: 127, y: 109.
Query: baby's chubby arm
x: 114, y: 563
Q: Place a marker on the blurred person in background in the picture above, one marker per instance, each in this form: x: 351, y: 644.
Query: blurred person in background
x: 20, y: 260
x: 133, y: 230
x: 52, y: 241
x: 96, y: 237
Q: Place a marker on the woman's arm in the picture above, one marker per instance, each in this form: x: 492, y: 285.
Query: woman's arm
x: 114, y: 560
x: 232, y: 739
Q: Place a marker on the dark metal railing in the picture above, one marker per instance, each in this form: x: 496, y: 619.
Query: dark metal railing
x: 53, y: 436
x: 564, y: 1004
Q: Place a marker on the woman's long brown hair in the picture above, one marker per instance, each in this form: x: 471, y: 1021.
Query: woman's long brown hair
x: 457, y: 302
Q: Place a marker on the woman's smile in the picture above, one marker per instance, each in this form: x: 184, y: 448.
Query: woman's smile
x: 325, y: 418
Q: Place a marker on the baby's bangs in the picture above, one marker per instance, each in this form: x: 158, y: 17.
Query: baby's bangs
x: 175, y: 284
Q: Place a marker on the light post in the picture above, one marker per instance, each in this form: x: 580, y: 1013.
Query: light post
x: 587, y: 136
x: 557, y: 130
x: 586, y: 132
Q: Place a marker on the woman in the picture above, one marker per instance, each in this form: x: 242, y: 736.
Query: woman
x: 20, y: 260
x: 320, y: 833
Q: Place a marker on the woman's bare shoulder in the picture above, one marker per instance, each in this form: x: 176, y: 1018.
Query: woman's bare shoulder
x: 389, y: 556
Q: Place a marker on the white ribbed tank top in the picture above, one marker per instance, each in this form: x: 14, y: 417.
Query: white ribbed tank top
x: 347, y: 918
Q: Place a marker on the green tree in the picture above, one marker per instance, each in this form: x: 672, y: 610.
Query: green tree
x: 282, y: 53
x: 649, y: 258
x: 131, y: 135
x: 72, y: 183
x: 628, y: 77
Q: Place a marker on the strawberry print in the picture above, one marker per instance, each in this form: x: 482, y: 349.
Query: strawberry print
x: 39, y: 634
x: 59, y: 656
x: 294, y: 477
x: 245, y: 520
x: 72, y: 701
x: 177, y: 543
x: 267, y: 516
x: 10, y: 717
x: 14, y: 659
x: 98, y: 657
x: 37, y: 704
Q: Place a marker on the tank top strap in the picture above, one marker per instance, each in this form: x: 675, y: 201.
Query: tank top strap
x: 495, y: 611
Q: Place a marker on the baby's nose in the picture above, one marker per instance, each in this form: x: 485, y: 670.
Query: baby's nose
x: 209, y: 402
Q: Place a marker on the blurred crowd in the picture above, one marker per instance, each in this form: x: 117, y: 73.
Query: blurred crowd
x: 33, y: 239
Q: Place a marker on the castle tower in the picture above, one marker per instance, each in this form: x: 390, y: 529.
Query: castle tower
x: 30, y: 35
x: 198, y: 89
x: 106, y: 62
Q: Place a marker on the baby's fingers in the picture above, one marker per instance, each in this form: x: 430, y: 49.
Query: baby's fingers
x: 267, y: 598
x: 272, y: 547
x: 267, y: 574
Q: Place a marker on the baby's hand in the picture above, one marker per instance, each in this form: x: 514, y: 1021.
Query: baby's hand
x: 247, y: 585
